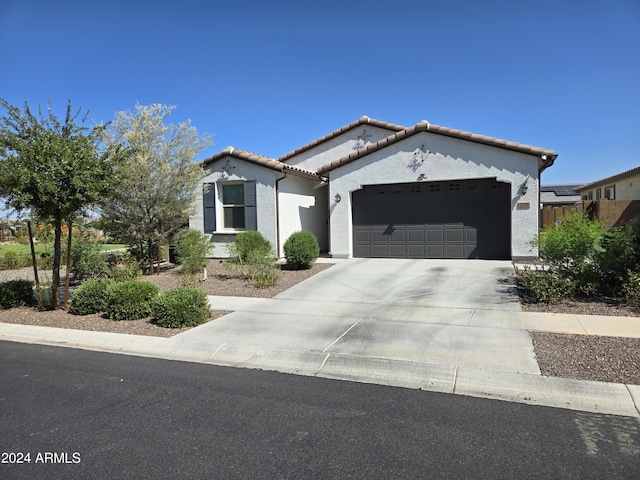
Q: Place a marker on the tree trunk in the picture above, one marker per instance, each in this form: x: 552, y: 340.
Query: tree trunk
x: 55, y: 274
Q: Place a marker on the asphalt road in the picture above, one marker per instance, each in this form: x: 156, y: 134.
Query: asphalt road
x: 81, y: 414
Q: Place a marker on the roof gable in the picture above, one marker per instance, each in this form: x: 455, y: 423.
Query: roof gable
x: 261, y: 160
x: 364, y: 120
x: 546, y: 156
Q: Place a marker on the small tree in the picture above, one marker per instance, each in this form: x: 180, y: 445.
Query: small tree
x: 157, y: 188
x: 53, y: 168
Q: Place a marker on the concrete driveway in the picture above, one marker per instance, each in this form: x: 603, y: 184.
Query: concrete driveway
x: 409, y: 310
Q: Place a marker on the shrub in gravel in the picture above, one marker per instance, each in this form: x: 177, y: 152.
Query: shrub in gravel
x: 250, y: 246
x: 15, y: 293
x: 541, y: 286
x: 181, y: 307
x: 130, y: 300
x: 301, y: 250
x: 253, y: 255
x: 90, y: 297
x: 10, y: 260
x: 192, y: 250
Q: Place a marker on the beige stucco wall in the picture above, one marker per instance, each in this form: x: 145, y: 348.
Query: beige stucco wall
x: 449, y: 159
x: 626, y: 189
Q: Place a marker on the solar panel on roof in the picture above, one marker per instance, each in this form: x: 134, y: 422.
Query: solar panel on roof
x: 560, y: 190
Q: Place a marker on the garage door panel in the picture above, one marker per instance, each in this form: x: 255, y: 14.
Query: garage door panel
x: 455, y: 251
x: 398, y: 234
x: 435, y: 251
x: 379, y: 251
x: 415, y: 235
x: 398, y: 251
x: 435, y: 233
x: 456, y: 219
x: 362, y: 235
x: 455, y: 234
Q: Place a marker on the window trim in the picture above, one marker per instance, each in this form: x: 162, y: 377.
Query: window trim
x: 612, y: 189
x: 225, y: 206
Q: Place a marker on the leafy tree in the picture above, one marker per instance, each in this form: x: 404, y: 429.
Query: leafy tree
x: 53, y: 168
x: 157, y: 187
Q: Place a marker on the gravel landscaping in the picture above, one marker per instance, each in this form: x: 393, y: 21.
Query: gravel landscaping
x: 585, y: 357
x: 220, y: 281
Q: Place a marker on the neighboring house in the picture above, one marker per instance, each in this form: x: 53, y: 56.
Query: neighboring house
x: 377, y: 189
x: 559, y: 195
x: 623, y: 186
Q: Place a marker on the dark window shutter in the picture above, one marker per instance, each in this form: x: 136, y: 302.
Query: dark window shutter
x: 209, y: 207
x: 250, y: 214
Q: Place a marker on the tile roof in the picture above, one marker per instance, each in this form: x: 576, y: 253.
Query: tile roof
x: 547, y: 156
x: 261, y: 160
x: 364, y: 120
x: 613, y: 178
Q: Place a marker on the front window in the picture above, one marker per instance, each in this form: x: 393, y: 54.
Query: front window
x: 598, y: 194
x: 233, y: 205
x: 610, y: 192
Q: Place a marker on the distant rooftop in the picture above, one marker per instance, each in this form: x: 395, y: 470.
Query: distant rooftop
x: 562, y: 190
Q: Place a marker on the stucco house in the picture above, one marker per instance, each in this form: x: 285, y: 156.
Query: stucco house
x: 378, y: 189
x: 622, y: 186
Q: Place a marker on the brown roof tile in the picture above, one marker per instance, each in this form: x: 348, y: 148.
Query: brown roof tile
x: 267, y: 162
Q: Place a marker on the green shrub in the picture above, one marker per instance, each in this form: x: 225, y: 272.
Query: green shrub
x: 181, y: 307
x: 631, y: 288
x: 124, y: 268
x: 249, y: 246
x: 570, y: 250
x: 87, y: 259
x: 90, y: 297
x: 253, y: 255
x: 47, y: 298
x: 616, y: 260
x: 15, y: 293
x: 192, y: 251
x: 263, y: 272
x: 540, y: 286
x: 45, y: 261
x: 301, y: 250
x: 130, y: 300
x: 10, y: 260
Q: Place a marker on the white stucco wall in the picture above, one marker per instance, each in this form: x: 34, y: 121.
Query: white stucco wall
x: 303, y: 207
x: 449, y: 159
x: 265, y: 201
x: 339, y: 146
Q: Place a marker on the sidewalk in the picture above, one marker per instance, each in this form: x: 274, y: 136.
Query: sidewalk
x: 273, y: 337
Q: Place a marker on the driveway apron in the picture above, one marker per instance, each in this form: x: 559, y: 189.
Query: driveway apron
x: 395, y: 309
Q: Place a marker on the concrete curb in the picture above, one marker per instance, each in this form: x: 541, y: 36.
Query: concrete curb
x: 600, y: 397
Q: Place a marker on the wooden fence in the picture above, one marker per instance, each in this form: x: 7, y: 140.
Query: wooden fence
x: 613, y: 213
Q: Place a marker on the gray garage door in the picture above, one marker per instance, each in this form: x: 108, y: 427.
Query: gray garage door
x: 453, y: 219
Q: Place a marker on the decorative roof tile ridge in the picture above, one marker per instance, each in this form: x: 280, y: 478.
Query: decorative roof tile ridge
x: 548, y: 155
x: 364, y: 120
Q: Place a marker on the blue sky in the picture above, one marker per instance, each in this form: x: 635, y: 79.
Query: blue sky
x: 270, y: 76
